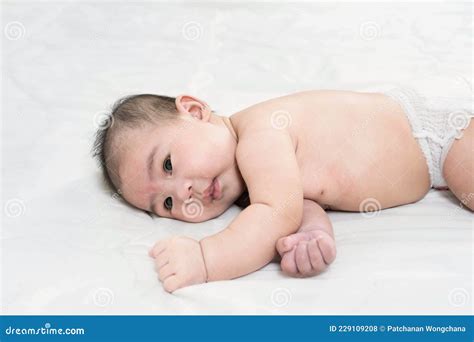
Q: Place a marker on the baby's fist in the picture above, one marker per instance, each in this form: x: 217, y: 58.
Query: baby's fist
x: 306, y: 254
x: 179, y: 262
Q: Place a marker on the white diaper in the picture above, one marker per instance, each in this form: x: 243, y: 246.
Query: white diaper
x: 435, y: 121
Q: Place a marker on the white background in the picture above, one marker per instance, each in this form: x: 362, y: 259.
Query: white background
x: 69, y: 248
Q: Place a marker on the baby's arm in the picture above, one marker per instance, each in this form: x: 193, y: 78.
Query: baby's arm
x: 315, y: 218
x: 309, y: 251
x: 267, y: 162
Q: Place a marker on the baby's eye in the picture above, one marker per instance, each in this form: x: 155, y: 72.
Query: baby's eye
x: 168, y: 203
x: 167, y: 165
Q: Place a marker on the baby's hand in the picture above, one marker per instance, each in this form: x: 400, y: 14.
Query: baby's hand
x: 306, y: 254
x: 179, y: 262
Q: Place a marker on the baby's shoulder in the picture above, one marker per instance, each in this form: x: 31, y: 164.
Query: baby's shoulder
x: 263, y: 131
x: 268, y: 114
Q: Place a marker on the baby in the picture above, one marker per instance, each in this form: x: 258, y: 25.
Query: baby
x: 285, y: 161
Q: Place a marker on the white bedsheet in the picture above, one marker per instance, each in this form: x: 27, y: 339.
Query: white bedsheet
x: 69, y: 248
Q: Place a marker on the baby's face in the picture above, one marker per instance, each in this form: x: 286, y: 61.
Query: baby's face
x: 168, y: 170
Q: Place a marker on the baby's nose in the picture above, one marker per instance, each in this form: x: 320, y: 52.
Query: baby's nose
x: 185, y: 192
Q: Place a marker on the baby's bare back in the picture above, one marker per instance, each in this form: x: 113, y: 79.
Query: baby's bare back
x: 351, y: 147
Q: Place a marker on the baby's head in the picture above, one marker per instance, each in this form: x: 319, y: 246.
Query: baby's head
x: 162, y: 154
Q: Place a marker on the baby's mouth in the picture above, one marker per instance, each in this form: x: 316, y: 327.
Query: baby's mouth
x: 213, y: 191
x: 216, y: 189
x: 209, y: 190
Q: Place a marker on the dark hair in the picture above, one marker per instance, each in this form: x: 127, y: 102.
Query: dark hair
x: 128, y: 112
x: 243, y: 201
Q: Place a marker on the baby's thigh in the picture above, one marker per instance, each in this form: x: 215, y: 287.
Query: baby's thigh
x: 458, y: 169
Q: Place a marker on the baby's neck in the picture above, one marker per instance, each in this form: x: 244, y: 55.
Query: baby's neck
x: 225, y: 121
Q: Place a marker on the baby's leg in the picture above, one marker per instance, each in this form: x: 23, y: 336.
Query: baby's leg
x: 458, y: 169
x: 309, y: 251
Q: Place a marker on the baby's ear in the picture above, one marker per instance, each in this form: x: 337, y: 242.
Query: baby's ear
x: 190, y: 105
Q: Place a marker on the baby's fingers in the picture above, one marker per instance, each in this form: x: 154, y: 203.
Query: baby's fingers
x: 317, y: 261
x: 327, y: 246
x: 288, y: 264
x: 165, y: 271
x: 302, y: 259
x: 286, y: 243
x: 283, y: 245
x: 159, y: 247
